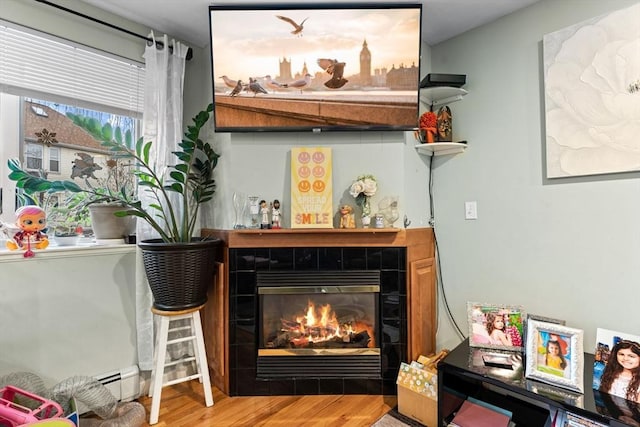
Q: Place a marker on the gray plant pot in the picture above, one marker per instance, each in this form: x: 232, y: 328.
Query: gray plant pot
x: 106, y: 225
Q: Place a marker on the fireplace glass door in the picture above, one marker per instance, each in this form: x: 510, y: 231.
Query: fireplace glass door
x: 319, y: 324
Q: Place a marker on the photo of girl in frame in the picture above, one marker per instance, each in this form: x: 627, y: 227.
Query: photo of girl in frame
x: 495, y: 326
x: 554, y: 354
x: 616, y: 369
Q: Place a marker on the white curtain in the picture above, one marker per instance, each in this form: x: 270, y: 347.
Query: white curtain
x: 161, y: 124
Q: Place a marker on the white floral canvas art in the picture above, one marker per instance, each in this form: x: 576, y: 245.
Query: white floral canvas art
x: 592, y: 96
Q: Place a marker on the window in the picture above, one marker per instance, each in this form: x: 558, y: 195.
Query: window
x: 33, y: 157
x: 39, y: 111
x: 46, y: 84
x: 54, y: 159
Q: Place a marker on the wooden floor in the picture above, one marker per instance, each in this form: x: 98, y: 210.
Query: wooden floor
x: 182, y: 405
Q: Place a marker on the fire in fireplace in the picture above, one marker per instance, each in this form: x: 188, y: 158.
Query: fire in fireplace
x: 320, y: 322
x: 295, y: 324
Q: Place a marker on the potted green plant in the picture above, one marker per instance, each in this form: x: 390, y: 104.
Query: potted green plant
x: 113, y: 180
x: 179, y: 265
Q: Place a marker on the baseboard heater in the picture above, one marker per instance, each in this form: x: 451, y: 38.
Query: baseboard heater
x: 124, y: 384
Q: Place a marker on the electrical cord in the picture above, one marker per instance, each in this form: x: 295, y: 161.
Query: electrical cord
x: 439, y: 278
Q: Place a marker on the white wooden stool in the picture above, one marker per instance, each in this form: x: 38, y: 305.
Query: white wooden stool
x: 162, y: 340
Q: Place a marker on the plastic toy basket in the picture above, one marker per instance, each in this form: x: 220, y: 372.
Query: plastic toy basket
x: 32, y: 408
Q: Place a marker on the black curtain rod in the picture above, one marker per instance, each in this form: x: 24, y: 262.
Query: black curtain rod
x: 124, y: 30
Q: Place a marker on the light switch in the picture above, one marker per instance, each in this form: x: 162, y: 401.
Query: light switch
x: 471, y: 210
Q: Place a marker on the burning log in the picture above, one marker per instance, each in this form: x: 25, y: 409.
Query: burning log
x: 320, y: 328
x: 289, y: 325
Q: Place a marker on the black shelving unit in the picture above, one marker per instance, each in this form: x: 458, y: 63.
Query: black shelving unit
x: 462, y: 374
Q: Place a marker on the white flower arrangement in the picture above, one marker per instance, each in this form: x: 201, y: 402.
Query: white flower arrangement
x: 363, y: 188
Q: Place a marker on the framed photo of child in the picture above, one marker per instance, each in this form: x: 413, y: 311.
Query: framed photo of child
x: 495, y: 326
x: 554, y: 354
x: 616, y: 369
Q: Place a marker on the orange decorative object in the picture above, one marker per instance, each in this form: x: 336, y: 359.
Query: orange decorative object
x: 428, y: 125
x: 428, y: 120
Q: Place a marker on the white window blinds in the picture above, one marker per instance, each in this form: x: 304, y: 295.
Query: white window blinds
x: 47, y: 67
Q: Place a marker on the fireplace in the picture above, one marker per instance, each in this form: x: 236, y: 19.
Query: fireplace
x: 271, y: 288
x: 321, y: 324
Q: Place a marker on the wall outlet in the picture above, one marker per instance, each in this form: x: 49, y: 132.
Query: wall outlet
x: 470, y: 210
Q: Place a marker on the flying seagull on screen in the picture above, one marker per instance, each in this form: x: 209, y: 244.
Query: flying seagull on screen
x: 236, y: 90
x: 297, y: 27
x: 301, y: 83
x: 256, y: 87
x: 336, y: 69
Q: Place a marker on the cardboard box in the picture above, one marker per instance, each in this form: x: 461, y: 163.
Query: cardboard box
x: 418, y: 394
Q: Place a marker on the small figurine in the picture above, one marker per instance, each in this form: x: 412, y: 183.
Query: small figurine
x: 347, y: 220
x: 264, y: 210
x: 31, y: 220
x: 275, y: 214
x: 444, y: 124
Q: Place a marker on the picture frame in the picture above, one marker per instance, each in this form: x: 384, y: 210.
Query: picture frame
x: 483, y: 318
x: 554, y: 355
x: 611, y: 346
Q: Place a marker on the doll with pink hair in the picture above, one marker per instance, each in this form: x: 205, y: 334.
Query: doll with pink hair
x: 31, y: 220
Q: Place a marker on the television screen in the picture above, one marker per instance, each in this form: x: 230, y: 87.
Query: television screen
x: 315, y: 67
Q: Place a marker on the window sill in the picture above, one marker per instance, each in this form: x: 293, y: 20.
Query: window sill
x: 81, y: 250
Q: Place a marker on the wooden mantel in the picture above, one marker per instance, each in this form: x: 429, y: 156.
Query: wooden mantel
x: 421, y: 280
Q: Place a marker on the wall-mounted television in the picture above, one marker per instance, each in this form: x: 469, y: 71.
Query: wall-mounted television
x: 315, y: 67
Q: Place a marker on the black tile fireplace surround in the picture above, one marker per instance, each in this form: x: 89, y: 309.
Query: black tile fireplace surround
x: 243, y: 316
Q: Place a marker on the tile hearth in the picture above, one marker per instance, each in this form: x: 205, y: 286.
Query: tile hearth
x: 244, y: 263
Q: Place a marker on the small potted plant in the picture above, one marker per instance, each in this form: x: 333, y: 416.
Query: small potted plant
x: 66, y: 222
x: 110, y: 180
x: 179, y: 265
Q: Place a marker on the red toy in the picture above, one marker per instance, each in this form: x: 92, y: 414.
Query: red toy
x: 13, y: 414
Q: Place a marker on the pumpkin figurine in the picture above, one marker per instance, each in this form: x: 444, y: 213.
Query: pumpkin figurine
x: 31, y: 220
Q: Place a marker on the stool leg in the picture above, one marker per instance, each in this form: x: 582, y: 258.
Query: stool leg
x: 158, y: 370
x: 201, y: 359
x: 156, y: 345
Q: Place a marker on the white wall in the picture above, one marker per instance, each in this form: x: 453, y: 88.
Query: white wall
x: 259, y: 164
x: 60, y: 315
x: 565, y: 248
x: 66, y: 313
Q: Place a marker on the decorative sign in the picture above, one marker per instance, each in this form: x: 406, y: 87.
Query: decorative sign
x: 311, y: 189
